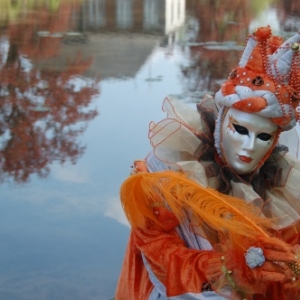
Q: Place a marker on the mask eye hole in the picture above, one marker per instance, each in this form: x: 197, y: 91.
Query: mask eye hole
x: 264, y: 136
x: 240, y: 129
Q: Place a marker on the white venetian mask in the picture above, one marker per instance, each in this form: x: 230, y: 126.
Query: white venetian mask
x: 245, y: 139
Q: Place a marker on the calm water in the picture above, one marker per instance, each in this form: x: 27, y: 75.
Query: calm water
x: 80, y: 82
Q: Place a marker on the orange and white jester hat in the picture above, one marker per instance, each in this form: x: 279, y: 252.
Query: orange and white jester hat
x: 267, y: 80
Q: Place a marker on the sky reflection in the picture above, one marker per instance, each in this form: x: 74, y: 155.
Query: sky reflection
x: 63, y: 230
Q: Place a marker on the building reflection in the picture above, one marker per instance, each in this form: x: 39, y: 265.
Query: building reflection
x: 147, y: 16
x: 131, y: 28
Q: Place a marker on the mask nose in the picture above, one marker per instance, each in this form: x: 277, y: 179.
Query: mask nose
x: 250, y: 142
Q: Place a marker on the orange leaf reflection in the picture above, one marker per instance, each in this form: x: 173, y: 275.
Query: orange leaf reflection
x: 42, y: 111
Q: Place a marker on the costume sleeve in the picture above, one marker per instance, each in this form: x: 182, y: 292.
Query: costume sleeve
x: 175, y: 269
x: 179, y: 269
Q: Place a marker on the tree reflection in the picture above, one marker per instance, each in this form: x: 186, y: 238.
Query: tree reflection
x: 291, y: 7
x: 219, y: 30
x: 42, y: 111
x: 222, y: 27
x: 223, y: 20
x: 289, y: 16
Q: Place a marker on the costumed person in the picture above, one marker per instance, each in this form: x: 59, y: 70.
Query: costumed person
x: 215, y: 207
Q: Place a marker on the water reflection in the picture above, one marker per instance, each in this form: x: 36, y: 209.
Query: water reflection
x: 147, y: 16
x: 64, y: 236
x: 43, y: 110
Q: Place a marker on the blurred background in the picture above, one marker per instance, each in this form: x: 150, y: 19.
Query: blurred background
x: 79, y: 83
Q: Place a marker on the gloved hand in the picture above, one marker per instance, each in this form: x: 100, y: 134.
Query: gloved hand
x: 277, y: 254
x: 249, y: 281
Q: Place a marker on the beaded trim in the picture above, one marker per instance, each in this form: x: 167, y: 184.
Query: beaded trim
x: 227, y: 273
x: 295, y: 267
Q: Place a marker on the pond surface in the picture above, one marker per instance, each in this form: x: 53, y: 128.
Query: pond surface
x: 80, y: 82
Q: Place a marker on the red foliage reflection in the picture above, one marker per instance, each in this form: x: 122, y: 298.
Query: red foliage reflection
x: 42, y: 112
x: 222, y: 27
x: 218, y: 24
